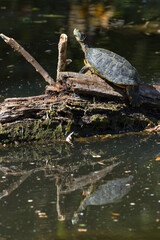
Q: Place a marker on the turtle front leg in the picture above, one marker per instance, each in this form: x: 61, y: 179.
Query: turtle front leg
x: 84, y: 69
x: 133, y: 94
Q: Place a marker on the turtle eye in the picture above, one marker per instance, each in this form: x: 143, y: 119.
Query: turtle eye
x: 83, y: 36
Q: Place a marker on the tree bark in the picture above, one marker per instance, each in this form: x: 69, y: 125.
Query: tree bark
x: 93, y: 85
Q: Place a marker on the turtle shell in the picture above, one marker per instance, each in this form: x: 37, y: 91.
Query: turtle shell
x: 112, y: 67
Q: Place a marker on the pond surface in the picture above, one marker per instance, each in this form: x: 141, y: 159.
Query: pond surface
x: 106, y: 189
x: 101, y: 190
x: 129, y: 28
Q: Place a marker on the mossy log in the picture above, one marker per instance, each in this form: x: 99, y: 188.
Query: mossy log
x: 54, y: 116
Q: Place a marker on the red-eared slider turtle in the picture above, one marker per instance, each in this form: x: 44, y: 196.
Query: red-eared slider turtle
x: 111, y: 67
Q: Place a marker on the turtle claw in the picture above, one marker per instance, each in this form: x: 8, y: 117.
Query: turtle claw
x: 136, y: 103
x: 84, y: 69
x: 134, y: 98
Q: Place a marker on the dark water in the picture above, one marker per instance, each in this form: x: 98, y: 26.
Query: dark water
x: 100, y: 190
x: 129, y: 28
x: 94, y: 190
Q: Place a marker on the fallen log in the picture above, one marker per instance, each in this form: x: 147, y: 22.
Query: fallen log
x: 95, y: 86
x: 99, y: 108
x: 51, y: 117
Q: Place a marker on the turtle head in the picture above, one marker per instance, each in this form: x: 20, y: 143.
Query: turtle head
x: 81, y: 38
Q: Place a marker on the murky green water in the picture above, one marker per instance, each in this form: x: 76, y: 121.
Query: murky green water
x: 101, y: 190
x: 129, y: 28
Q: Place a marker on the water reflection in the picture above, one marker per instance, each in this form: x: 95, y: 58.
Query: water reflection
x: 107, y: 193
x: 58, y: 191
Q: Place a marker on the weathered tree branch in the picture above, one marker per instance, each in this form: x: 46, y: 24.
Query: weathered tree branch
x: 91, y: 178
x: 62, y: 50
x: 28, y: 57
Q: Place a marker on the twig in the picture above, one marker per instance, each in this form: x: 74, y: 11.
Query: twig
x: 60, y: 216
x: 28, y: 57
x: 62, y: 49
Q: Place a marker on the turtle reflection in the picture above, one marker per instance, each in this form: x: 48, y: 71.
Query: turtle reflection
x: 107, y: 193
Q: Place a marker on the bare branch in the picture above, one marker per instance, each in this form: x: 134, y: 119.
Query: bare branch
x: 28, y: 57
x: 62, y: 49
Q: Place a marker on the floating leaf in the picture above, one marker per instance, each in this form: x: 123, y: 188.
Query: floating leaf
x: 82, y: 225
x: 42, y: 21
x: 96, y: 156
x: 132, y: 204
x: 101, y: 163
x: 116, y: 214
x: 115, y: 220
x: 10, y: 66
x: 51, y: 15
x: 43, y: 216
x: 82, y: 230
x: 35, y: 9
x: 127, y: 171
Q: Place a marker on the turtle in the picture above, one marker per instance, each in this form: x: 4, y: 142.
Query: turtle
x: 112, y: 67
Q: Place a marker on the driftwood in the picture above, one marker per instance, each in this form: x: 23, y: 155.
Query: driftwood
x: 99, y: 107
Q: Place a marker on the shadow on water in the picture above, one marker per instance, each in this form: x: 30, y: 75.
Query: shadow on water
x: 108, y: 189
